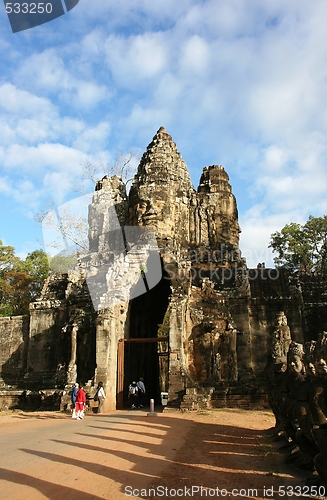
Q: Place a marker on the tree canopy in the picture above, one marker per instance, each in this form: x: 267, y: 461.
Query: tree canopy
x: 21, y: 281
x: 302, y: 247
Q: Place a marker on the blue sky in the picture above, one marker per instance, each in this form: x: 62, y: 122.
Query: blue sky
x: 239, y: 83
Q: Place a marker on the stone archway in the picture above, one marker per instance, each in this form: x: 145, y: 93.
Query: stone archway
x: 145, y: 349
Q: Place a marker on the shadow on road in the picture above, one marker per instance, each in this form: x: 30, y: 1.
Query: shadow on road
x: 111, y: 453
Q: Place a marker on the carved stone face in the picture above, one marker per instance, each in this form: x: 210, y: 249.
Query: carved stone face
x: 322, y: 367
x: 296, y: 364
x: 281, y: 319
x: 149, y: 211
x: 137, y: 211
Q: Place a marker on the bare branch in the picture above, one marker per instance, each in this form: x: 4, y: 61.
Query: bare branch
x: 68, y: 225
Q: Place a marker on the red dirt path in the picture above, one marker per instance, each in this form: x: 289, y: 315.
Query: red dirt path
x: 124, y: 454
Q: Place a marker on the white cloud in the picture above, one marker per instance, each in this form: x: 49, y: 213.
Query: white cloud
x: 54, y: 78
x: 7, y: 135
x: 93, y: 139
x: 43, y: 156
x: 195, y: 56
x: 22, y: 102
x: 23, y: 192
x: 137, y: 58
x: 5, y: 186
x: 58, y: 185
x: 150, y: 118
x: 275, y: 157
x: 26, y: 118
x: 89, y: 94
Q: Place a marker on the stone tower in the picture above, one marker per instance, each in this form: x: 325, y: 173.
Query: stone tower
x: 197, y: 234
x: 217, y: 205
x: 163, y: 198
x: 160, y: 195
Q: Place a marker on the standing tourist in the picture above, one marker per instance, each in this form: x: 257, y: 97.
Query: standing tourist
x: 80, y: 402
x: 132, y: 394
x: 101, y: 396
x: 74, y: 392
x: 140, y: 393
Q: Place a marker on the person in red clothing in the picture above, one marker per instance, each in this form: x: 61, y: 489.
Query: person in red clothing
x: 80, y: 402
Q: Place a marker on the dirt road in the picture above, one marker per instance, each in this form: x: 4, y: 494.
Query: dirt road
x: 131, y: 455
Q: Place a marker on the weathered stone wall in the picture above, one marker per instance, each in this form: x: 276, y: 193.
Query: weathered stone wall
x: 13, y: 350
x: 61, y: 337
x: 272, y: 291
x: 46, y: 344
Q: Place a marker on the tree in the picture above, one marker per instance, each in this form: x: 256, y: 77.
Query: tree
x: 8, y: 260
x: 302, y: 247
x: 61, y: 263
x: 123, y: 166
x: 15, y: 293
x: 36, y: 265
x: 21, y: 281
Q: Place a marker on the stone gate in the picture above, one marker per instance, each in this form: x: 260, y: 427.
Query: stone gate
x: 212, y: 316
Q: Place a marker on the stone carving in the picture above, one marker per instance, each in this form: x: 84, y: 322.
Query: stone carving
x: 275, y: 371
x: 72, y: 368
x: 295, y: 376
x: 217, y: 211
x: 160, y: 194
x: 211, y: 349
x: 304, y: 437
x: 281, y: 339
x: 318, y: 406
x: 305, y: 407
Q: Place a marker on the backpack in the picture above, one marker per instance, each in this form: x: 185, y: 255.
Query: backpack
x: 96, y: 397
x: 140, y: 388
x: 133, y: 390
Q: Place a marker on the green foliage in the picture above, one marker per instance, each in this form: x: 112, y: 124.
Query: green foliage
x: 302, y: 248
x: 8, y: 260
x: 36, y: 265
x: 21, y: 281
x: 63, y: 263
x: 6, y: 309
x: 15, y: 292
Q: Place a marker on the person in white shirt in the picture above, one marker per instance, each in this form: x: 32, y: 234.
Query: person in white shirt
x: 101, y: 396
x: 132, y: 395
